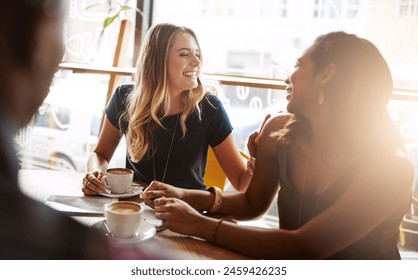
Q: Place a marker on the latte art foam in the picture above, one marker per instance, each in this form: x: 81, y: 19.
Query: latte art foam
x: 124, y: 208
x: 119, y: 171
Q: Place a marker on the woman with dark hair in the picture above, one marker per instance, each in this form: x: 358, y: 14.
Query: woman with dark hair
x: 31, y: 47
x: 336, y: 161
x: 169, y: 119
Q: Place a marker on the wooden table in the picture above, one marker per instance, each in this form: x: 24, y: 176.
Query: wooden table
x: 40, y: 184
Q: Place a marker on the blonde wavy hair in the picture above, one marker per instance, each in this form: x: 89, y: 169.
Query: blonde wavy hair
x: 149, y: 101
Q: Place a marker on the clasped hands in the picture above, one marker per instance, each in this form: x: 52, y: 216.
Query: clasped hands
x: 169, y: 206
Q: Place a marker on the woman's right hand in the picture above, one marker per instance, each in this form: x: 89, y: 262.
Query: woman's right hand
x: 92, y: 183
x: 178, y: 216
x: 158, y: 189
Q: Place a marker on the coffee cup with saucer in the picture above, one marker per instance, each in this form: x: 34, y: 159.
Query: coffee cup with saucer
x: 124, y: 222
x: 123, y: 218
x: 117, y: 180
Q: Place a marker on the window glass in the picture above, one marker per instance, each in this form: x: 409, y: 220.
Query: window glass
x: 65, y: 129
x: 85, y: 40
x: 263, y: 38
x: 408, y: 8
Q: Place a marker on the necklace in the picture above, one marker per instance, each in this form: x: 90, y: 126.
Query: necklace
x: 169, y: 152
x: 327, y: 185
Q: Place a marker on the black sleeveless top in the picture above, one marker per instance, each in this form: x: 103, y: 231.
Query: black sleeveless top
x: 380, y: 243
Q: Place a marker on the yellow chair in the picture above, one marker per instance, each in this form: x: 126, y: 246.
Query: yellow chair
x: 414, y: 201
x: 402, y: 241
x: 214, y: 175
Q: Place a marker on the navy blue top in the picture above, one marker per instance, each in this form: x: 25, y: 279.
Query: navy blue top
x: 186, y: 163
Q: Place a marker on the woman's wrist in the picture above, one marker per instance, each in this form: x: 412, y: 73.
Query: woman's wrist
x: 214, y: 236
x: 251, y: 165
x: 206, y: 228
x: 181, y: 194
x: 217, y: 199
x: 198, y: 199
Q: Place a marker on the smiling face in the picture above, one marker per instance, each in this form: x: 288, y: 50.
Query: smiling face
x: 302, y: 86
x: 183, y: 63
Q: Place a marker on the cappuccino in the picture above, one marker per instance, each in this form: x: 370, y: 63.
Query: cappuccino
x: 123, y: 218
x: 125, y: 207
x: 121, y: 171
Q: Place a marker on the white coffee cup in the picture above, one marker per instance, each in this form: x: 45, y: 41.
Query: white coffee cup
x: 118, y: 180
x: 123, y: 218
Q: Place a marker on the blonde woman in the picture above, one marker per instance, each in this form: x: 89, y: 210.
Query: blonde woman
x: 168, y: 118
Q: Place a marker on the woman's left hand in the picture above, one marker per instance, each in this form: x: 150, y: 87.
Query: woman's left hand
x: 178, y: 216
x: 255, y: 137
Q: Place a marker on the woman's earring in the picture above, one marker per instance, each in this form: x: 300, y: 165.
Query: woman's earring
x: 321, y: 97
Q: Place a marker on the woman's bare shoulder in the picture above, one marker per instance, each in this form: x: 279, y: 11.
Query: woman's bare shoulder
x: 397, y: 162
x: 392, y: 173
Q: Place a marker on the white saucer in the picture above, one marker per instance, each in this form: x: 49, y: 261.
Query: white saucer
x: 149, y: 216
x: 145, y: 231
x: 132, y: 191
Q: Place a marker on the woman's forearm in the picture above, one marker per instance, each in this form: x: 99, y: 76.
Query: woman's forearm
x: 198, y: 199
x: 246, y: 176
x: 97, y: 162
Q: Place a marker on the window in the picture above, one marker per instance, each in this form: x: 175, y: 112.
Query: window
x: 408, y: 8
x: 52, y: 116
x: 257, y: 29
x: 336, y: 9
x: 273, y: 8
x: 352, y: 8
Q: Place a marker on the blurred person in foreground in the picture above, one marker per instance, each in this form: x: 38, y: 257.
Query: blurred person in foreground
x: 31, y: 48
x: 336, y: 161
